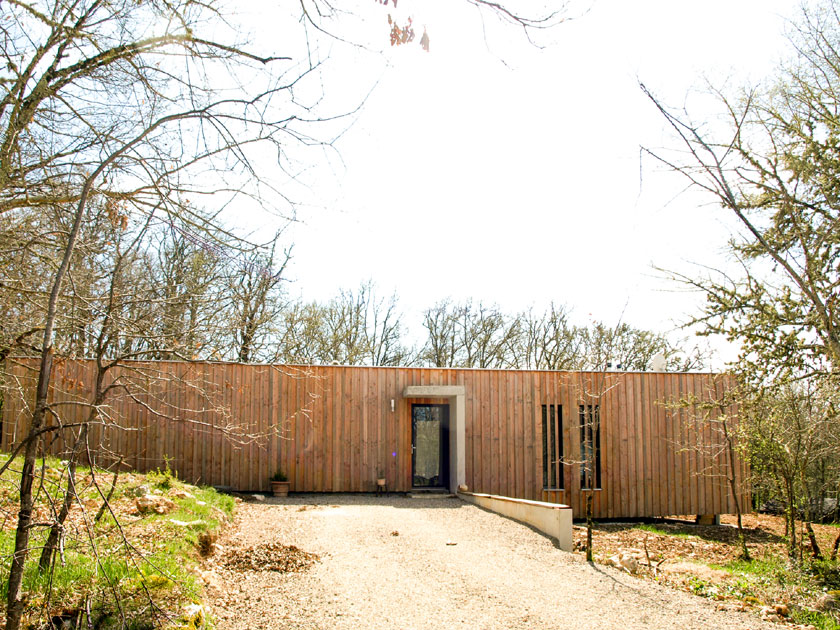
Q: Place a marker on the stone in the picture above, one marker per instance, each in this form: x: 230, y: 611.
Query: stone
x: 144, y: 504
x: 141, y: 490
x: 164, y: 505
x: 768, y: 613
x: 258, y: 497
x: 175, y: 521
x: 781, y: 610
x: 625, y: 561
x: 629, y: 563
x: 153, y: 503
x: 180, y: 494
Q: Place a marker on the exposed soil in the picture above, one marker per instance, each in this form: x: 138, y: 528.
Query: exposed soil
x: 710, y: 544
x: 688, y: 556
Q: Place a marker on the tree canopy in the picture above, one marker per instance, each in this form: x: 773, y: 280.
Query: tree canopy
x: 775, y: 168
x: 773, y: 165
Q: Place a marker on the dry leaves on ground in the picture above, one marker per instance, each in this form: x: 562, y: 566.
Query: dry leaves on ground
x: 272, y: 556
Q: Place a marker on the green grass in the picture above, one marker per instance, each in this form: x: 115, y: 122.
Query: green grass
x: 99, y: 569
x: 819, y: 620
x: 653, y: 529
x: 771, y: 579
x: 768, y: 566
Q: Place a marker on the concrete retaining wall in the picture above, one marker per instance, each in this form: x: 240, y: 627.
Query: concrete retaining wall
x: 553, y: 519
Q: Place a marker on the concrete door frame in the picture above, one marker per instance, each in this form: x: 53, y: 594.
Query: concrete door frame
x: 454, y: 395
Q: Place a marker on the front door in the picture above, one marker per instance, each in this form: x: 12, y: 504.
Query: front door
x: 430, y: 446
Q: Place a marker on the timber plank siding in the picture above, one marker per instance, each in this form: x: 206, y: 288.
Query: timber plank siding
x: 333, y: 429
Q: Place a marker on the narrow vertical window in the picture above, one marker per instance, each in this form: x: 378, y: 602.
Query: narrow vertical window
x: 590, y: 447
x: 552, y: 442
x: 545, y: 454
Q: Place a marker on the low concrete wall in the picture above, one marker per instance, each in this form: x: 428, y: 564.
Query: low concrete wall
x: 553, y: 519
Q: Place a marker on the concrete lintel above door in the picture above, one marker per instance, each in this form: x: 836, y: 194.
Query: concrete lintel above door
x: 457, y: 433
x: 433, y: 391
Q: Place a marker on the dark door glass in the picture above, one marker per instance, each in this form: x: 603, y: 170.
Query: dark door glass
x: 430, y: 445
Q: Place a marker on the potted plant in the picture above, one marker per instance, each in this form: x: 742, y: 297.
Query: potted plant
x: 380, y: 482
x: 280, y: 484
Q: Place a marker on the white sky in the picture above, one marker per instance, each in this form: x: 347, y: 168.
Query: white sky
x: 519, y: 181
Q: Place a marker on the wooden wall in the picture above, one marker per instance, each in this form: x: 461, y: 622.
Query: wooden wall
x: 331, y: 429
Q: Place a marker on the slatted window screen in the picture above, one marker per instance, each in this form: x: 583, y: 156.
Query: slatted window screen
x: 590, y: 446
x: 552, y: 443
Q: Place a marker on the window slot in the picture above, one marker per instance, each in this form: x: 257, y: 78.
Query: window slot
x: 552, y: 442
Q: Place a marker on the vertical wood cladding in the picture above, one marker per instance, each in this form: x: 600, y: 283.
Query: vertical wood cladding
x: 333, y: 429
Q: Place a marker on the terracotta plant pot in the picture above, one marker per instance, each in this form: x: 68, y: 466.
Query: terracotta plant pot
x: 280, y: 488
x: 380, y: 482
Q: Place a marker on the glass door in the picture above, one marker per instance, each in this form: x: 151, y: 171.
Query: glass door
x: 430, y: 446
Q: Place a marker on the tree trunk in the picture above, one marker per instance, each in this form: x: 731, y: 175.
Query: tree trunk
x: 815, y: 547
x: 790, y: 518
x: 57, y: 528
x: 733, y: 490
x: 589, y: 524
x: 101, y: 512
x: 14, y: 601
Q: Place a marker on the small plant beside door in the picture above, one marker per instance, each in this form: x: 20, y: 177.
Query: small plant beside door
x: 280, y: 484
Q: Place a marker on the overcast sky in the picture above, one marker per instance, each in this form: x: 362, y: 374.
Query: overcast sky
x: 492, y: 169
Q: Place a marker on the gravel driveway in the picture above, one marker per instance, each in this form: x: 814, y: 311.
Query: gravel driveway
x: 389, y: 562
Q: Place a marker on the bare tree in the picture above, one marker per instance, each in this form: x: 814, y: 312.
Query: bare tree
x: 469, y: 335
x: 133, y: 106
x: 185, y: 278
x: 548, y: 341
x: 717, y: 415
x: 353, y: 328
x: 128, y: 145
x: 300, y: 328
x: 255, y: 301
x: 442, y: 345
x: 486, y: 335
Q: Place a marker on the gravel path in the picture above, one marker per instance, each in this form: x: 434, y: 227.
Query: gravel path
x: 388, y: 563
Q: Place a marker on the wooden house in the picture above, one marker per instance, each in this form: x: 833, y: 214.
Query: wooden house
x: 539, y: 435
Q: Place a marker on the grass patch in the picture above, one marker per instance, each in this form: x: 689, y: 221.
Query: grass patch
x: 819, y: 620
x: 653, y: 529
x: 766, y: 567
x: 135, y: 574
x: 773, y: 579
